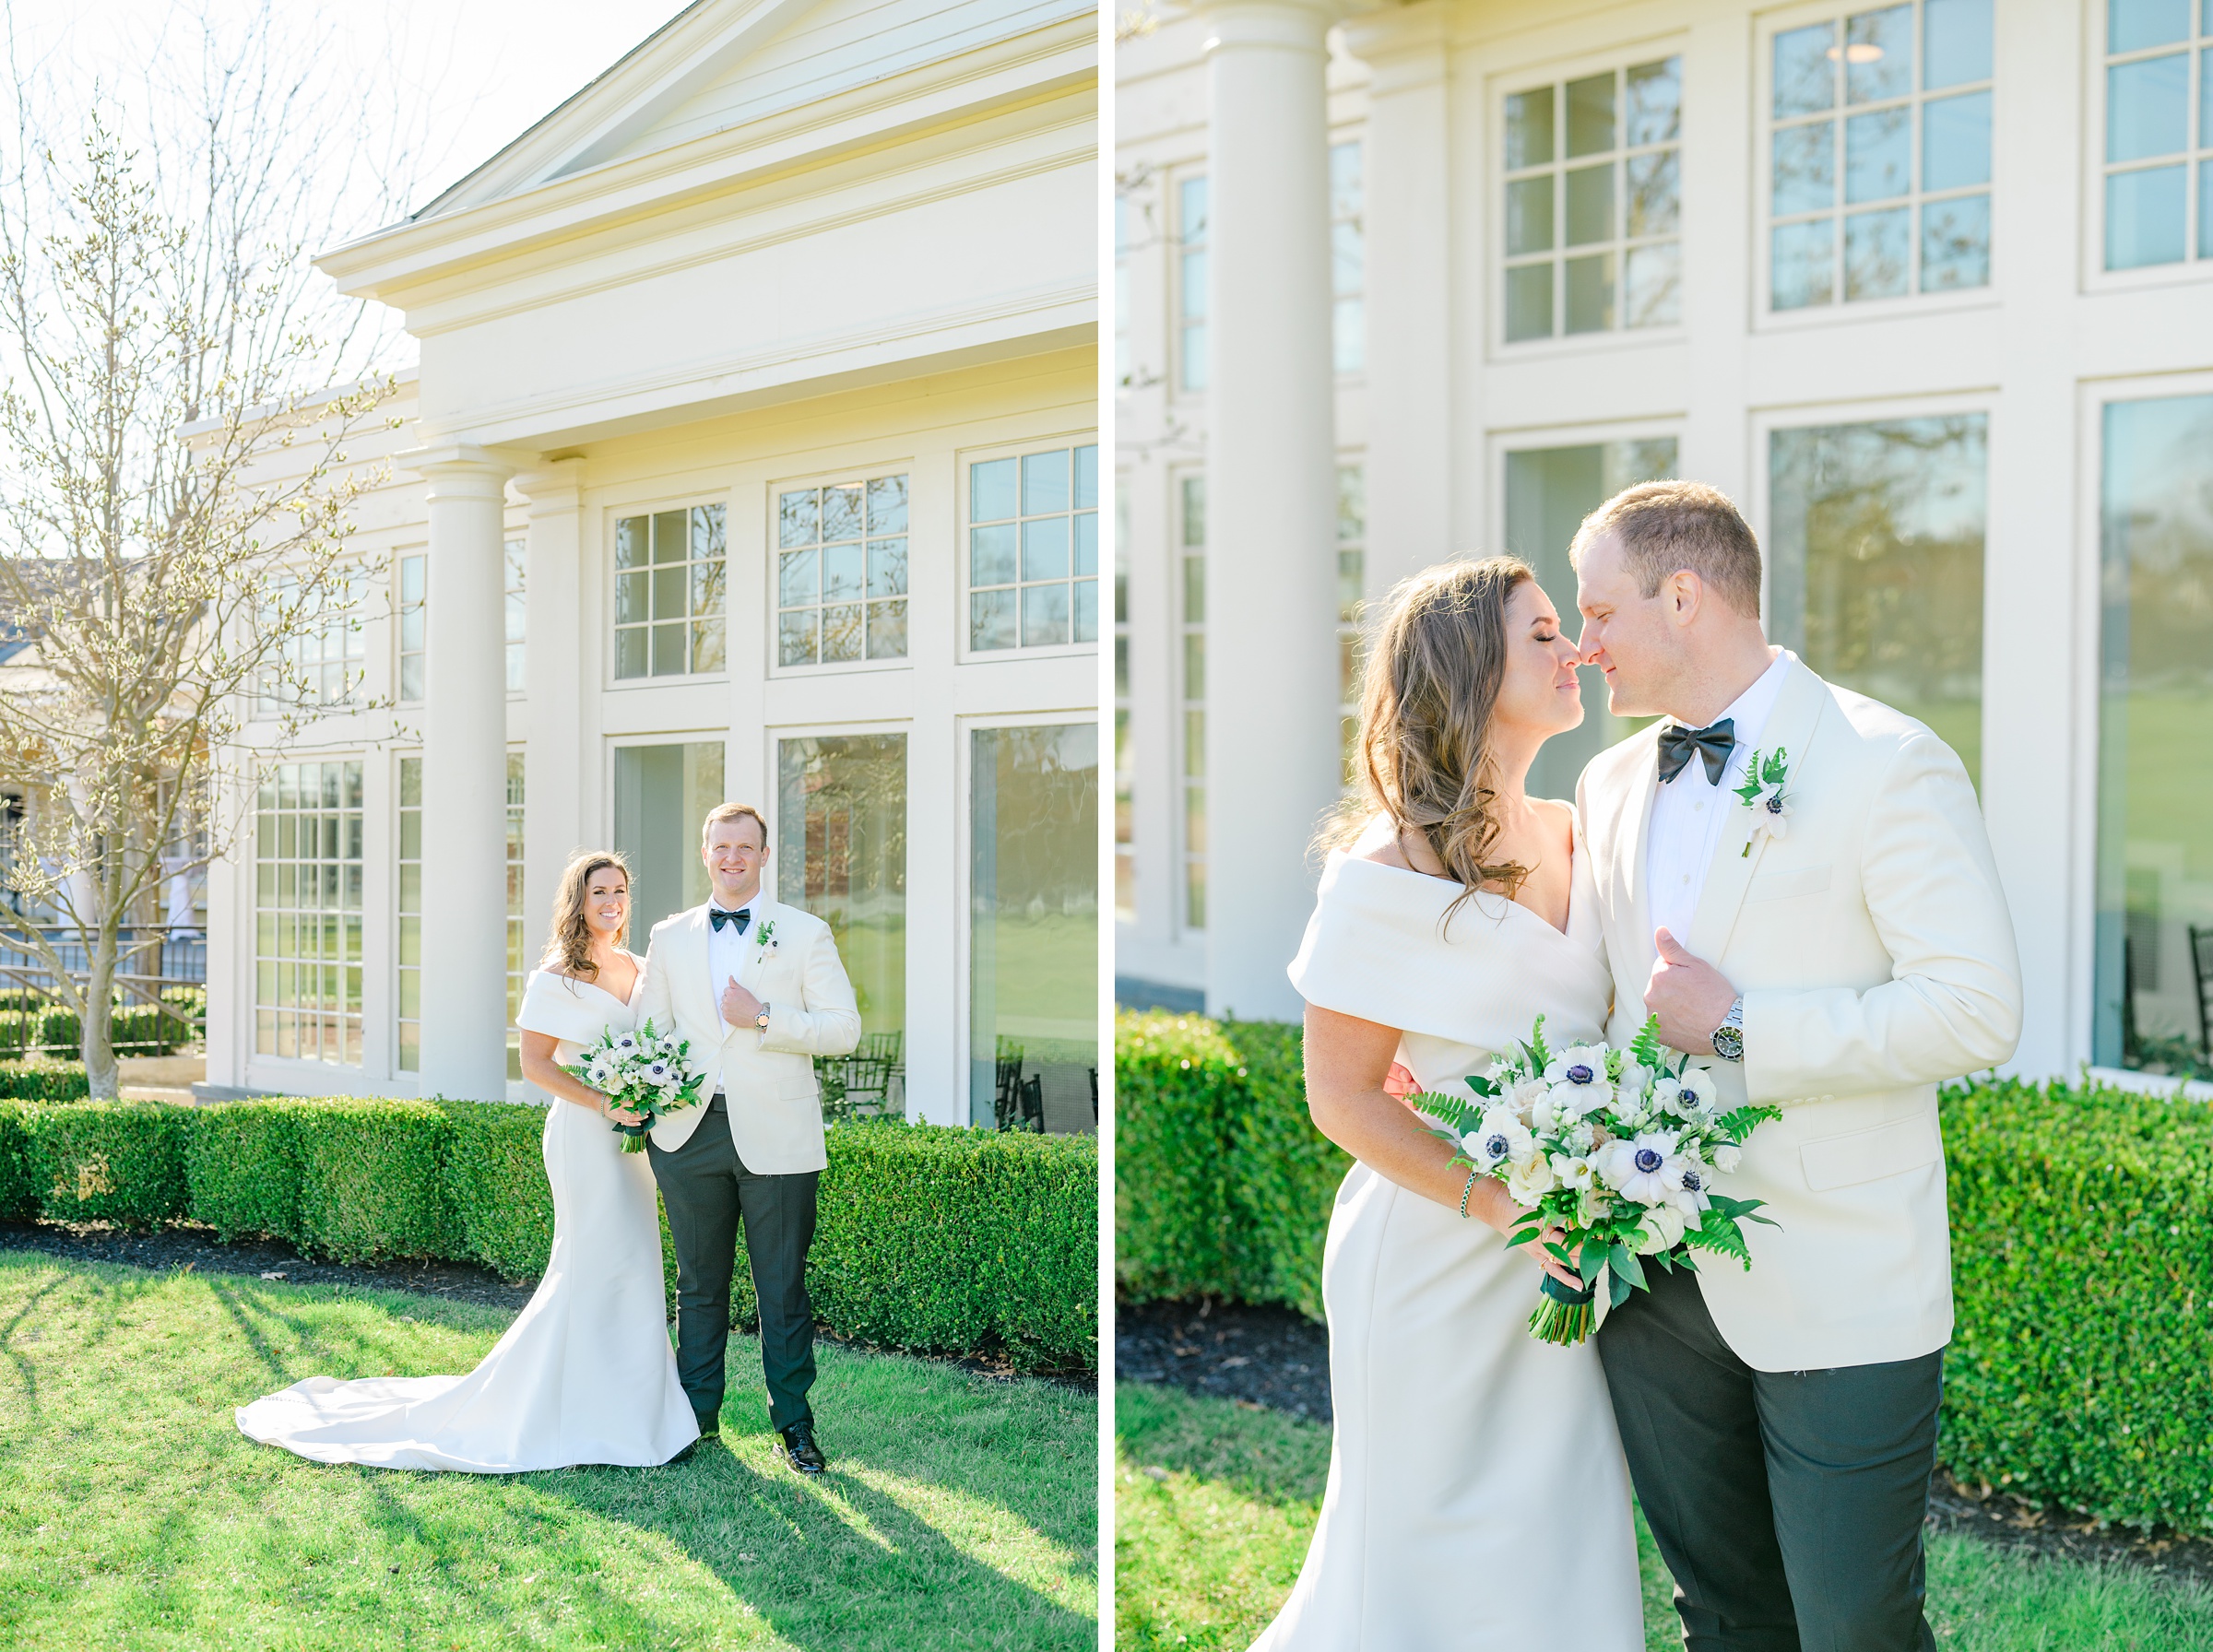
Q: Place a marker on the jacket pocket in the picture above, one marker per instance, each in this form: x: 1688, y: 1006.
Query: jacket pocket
x: 1869, y: 1156
x: 1782, y: 886
x: 797, y: 1089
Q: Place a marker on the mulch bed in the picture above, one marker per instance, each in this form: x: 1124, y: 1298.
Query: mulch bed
x: 197, y: 1249
x: 1275, y: 1357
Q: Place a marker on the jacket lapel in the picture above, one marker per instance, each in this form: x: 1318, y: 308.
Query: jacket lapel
x: 1629, y: 866
x: 1789, y: 726
x: 756, y: 955
x: 702, y: 964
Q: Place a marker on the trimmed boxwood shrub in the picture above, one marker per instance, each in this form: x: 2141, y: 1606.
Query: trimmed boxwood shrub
x: 19, y: 1180
x: 242, y: 1163
x: 121, y: 1161
x: 38, y: 1080
x: 372, y: 1180
x: 958, y: 1239
x: 495, y: 1183
x: 2081, y: 1368
x: 133, y: 1028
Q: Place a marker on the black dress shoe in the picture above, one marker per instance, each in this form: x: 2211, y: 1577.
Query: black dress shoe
x: 710, y: 1428
x: 799, y: 1449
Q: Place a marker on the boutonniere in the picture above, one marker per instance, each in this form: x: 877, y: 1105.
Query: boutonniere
x: 1765, y: 794
x: 766, y: 936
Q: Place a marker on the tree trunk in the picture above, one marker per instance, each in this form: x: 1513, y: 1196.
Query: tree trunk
x: 95, y: 1023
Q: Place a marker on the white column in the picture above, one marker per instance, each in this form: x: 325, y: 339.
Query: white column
x: 554, y: 649
x: 465, y: 778
x: 1408, y: 173
x: 1271, y: 744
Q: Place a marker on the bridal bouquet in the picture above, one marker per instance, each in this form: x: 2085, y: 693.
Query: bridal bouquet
x: 1619, y: 1149
x: 639, y: 1072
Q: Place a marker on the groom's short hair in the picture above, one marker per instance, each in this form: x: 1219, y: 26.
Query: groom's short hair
x: 1667, y: 527
x: 733, y: 811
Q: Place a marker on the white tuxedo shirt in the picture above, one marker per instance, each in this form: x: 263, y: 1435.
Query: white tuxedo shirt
x: 767, y: 1076
x: 1690, y: 810
x: 1875, y: 956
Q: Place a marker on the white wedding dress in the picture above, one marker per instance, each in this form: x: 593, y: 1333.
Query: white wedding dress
x: 1477, y: 1497
x: 586, y: 1373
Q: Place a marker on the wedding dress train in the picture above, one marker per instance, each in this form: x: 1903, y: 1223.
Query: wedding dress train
x: 586, y: 1373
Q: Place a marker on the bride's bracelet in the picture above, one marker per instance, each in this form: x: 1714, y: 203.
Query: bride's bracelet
x: 1465, y: 1191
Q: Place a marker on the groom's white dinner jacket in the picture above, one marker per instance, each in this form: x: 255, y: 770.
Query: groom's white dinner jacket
x: 768, y: 1076
x: 1873, y: 946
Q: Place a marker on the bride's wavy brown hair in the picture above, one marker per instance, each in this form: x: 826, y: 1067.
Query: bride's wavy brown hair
x: 569, y: 948
x: 1425, y: 755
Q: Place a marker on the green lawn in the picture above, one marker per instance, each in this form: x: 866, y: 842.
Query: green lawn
x: 1214, y: 1504
x: 959, y: 1512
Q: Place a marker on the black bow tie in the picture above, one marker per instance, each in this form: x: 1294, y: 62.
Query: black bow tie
x: 716, y: 916
x: 1714, y: 743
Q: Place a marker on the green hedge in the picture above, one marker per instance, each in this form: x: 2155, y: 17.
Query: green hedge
x: 38, y: 1080
x: 928, y: 1239
x: 133, y: 1030
x: 2081, y: 1370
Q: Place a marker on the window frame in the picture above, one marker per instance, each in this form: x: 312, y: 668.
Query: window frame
x: 250, y: 952
x: 1179, y: 321
x: 847, y: 476
x: 1838, y: 310
x: 1181, y: 703
x: 963, y: 458
x: 2192, y: 267
x: 1558, y: 70
x: 612, y: 516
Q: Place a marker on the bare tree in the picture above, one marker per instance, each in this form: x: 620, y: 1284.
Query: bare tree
x: 180, y: 387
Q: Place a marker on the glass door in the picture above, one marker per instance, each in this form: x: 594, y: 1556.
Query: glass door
x: 662, y: 792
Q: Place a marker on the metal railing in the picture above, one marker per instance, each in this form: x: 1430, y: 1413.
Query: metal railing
x: 150, y: 959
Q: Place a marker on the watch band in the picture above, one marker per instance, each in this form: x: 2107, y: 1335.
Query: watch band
x: 761, y: 1021
x: 1729, y: 1037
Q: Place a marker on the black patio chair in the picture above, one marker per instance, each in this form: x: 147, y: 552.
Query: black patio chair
x: 1033, y: 1103
x: 1006, y: 1097
x: 2201, y: 967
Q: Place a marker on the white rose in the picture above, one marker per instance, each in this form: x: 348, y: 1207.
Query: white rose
x: 1727, y: 1157
x: 1663, y: 1229
x: 1531, y: 1179
x: 1593, y: 1208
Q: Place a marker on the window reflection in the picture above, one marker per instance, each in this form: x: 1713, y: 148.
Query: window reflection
x: 1875, y: 564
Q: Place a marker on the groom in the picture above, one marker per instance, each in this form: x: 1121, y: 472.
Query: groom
x: 757, y: 988
x: 1842, y: 948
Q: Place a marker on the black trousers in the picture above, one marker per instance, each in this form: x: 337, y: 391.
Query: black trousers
x: 708, y: 1191
x: 1788, y: 1504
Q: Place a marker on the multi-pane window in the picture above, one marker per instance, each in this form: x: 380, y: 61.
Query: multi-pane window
x: 2158, y: 83
x: 1034, y: 549
x: 513, y: 558
x: 1190, y: 283
x: 841, y: 573
x: 1191, y: 679
x: 518, y: 967
x: 321, y: 664
x: 1348, y: 260
x: 1351, y: 590
x: 1879, y: 155
x: 307, y: 912
x: 412, y: 589
x: 408, y: 1021
x: 1125, y: 779
x: 1593, y: 203
x: 669, y: 572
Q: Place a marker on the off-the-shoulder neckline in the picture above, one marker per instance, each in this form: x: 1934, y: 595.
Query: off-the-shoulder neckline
x: 637, y: 981
x: 1349, y: 858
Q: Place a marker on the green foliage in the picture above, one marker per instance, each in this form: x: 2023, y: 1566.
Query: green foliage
x: 38, y: 1079
x: 1218, y: 1170
x: 242, y: 1163
x: 495, y: 1183
x: 932, y: 1238
x: 2081, y: 1369
x: 134, y: 1029
x: 928, y: 1239
x: 120, y: 1162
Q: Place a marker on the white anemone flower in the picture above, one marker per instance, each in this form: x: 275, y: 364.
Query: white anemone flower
x: 1663, y: 1229
x: 1700, y: 1093
x: 1641, y: 1167
x: 1689, y: 1186
x: 1577, y: 1079
x: 1667, y: 1096
x: 1727, y: 1157
x: 1497, y: 1139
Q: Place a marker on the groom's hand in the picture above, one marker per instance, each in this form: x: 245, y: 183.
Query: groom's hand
x: 1689, y: 995
x: 739, y: 1008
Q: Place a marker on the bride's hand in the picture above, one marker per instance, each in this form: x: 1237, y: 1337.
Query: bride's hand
x: 621, y: 1115
x: 1550, y: 1263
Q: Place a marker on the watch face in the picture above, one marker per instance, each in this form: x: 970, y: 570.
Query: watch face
x: 1728, y: 1044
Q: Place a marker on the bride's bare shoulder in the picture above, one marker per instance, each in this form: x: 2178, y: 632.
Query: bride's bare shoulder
x: 1379, y: 841
x: 1559, y: 820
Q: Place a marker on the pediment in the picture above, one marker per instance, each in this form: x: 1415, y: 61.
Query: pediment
x: 720, y: 64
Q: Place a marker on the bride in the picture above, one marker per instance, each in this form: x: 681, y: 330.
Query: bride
x: 586, y: 1373
x: 1477, y: 1497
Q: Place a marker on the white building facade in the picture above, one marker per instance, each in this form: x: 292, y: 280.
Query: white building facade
x: 753, y: 456
x: 1926, y: 287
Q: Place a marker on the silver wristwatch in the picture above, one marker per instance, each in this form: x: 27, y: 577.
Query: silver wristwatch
x: 1729, y: 1037
x: 761, y: 1021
